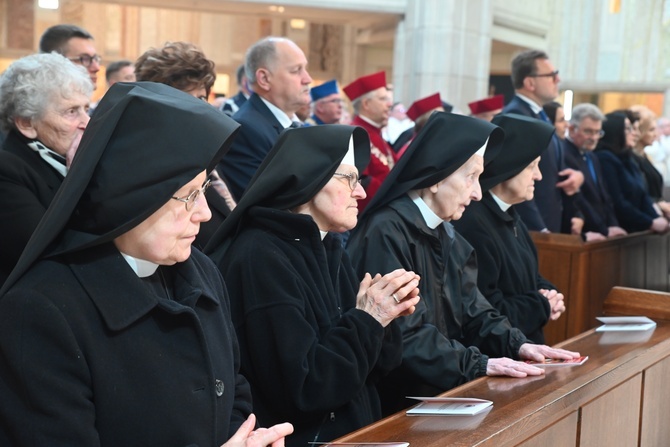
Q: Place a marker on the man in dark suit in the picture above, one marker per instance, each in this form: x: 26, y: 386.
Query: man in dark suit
x: 593, y: 203
x: 277, y: 72
x: 536, y: 81
x: 232, y: 105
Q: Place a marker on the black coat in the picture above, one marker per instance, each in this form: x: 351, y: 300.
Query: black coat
x: 259, y: 132
x: 27, y: 187
x: 653, y: 179
x: 507, y: 262
x: 546, y: 209
x: 447, y: 339
x: 101, y: 360
x: 633, y: 207
x: 593, y: 203
x: 311, y: 358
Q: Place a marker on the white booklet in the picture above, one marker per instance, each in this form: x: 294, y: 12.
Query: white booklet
x: 448, y: 406
x: 625, y: 324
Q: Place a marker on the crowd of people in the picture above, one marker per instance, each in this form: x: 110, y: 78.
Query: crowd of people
x: 178, y: 273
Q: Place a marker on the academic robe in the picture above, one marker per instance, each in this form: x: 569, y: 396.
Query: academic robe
x: 507, y: 262
x: 447, y: 340
x: 311, y: 357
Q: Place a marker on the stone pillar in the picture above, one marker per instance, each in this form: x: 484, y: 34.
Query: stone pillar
x: 443, y: 46
x: 20, y: 24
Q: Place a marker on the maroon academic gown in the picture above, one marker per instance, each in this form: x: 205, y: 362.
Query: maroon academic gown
x: 381, y: 160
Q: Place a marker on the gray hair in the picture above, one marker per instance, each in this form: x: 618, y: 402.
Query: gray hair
x: 586, y: 110
x: 31, y: 83
x: 358, y: 102
x: 262, y: 54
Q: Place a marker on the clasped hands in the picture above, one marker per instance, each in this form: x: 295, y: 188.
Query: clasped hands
x: 390, y: 296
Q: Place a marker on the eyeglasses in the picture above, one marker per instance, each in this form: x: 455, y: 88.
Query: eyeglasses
x: 87, y: 60
x: 352, y: 179
x: 191, y: 199
x: 553, y: 75
x: 593, y: 133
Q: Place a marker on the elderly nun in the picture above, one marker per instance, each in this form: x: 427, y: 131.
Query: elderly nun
x: 313, y: 338
x: 506, y: 256
x: 449, y: 339
x: 113, y: 331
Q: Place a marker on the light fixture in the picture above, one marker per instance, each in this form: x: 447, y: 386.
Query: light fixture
x: 298, y: 24
x: 567, y: 104
x: 48, y: 4
x: 275, y: 8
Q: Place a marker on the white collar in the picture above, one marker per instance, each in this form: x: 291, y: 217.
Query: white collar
x: 282, y: 117
x: 431, y: 219
x: 323, y: 234
x: 52, y: 158
x: 141, y: 267
x: 501, y: 203
x: 533, y: 105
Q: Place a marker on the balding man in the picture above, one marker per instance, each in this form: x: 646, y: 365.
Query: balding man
x: 276, y: 69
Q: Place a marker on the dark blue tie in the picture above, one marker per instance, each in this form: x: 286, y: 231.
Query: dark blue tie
x: 557, y: 143
x: 589, y: 163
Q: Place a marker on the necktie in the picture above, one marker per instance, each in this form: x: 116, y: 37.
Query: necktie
x: 295, y: 124
x: 589, y: 163
x: 557, y: 143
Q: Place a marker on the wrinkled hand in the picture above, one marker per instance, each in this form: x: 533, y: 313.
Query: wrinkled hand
x: 72, y: 150
x: 246, y: 436
x: 659, y: 225
x: 594, y: 236
x: 556, y: 303
x: 616, y: 231
x: 538, y: 353
x: 222, y: 189
x: 571, y: 185
x: 376, y: 295
x: 576, y: 225
x: 511, y: 368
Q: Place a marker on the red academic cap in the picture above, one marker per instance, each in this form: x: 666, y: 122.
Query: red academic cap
x: 365, y: 84
x: 496, y: 102
x: 424, y: 105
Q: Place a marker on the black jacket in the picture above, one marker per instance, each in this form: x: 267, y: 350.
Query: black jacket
x: 125, y: 366
x: 447, y: 339
x: 507, y: 262
x: 311, y: 358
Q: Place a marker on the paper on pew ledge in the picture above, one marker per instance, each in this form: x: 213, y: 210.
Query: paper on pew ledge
x: 634, y: 323
x: 448, y: 406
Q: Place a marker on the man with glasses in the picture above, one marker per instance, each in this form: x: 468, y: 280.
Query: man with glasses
x: 535, y: 82
x: 74, y: 43
x: 327, y: 104
x: 593, y: 204
x: 371, y: 101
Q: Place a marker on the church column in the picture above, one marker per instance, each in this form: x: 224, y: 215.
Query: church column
x: 443, y: 46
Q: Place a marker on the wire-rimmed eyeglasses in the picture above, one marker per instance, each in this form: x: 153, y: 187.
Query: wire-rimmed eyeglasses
x: 352, y: 178
x: 191, y: 199
x: 87, y: 60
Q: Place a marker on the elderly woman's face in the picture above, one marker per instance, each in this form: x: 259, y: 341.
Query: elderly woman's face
x: 61, y: 125
x: 166, y: 236
x: 449, y: 197
x: 521, y: 187
x: 335, y: 207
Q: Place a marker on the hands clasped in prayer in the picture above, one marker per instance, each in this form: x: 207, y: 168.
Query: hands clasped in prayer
x: 386, y: 297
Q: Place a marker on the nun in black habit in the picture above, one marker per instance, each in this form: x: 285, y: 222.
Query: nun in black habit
x: 112, y: 330
x: 506, y: 256
x: 449, y: 339
x: 314, y: 339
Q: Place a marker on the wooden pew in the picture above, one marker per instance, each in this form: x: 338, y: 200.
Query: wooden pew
x: 586, y: 271
x: 619, y: 397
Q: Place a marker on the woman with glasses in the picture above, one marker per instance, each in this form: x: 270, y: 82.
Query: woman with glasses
x: 314, y: 339
x: 185, y: 67
x: 113, y: 330
x: 625, y: 182
x: 43, y: 110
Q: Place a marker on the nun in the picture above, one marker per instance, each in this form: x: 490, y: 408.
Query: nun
x: 449, y: 339
x: 113, y: 331
x: 506, y: 256
x: 314, y: 339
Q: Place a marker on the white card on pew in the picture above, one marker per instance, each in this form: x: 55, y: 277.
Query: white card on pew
x: 637, y: 323
x: 448, y: 406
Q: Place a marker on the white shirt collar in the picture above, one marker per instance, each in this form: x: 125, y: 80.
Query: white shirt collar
x: 431, y: 219
x: 369, y: 121
x: 533, y: 105
x: 501, y: 203
x: 323, y: 234
x: 141, y: 267
x: 282, y: 117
